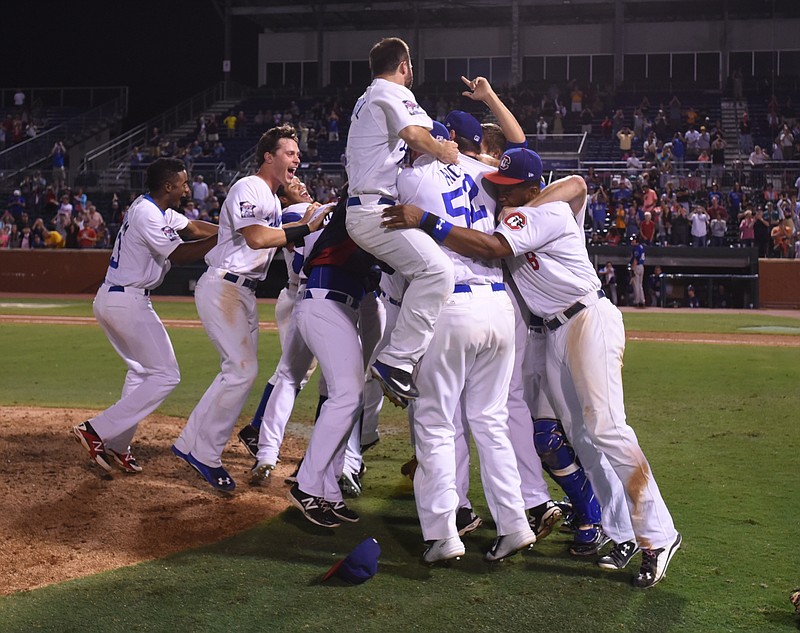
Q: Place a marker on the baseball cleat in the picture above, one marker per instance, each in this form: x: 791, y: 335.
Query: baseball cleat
x: 467, y: 521
x: 292, y: 479
x: 619, y: 557
x: 126, y: 461
x: 409, y: 468
x: 444, y: 549
x: 543, y: 518
x: 343, y: 512
x: 216, y: 477
x: 315, y: 509
x: 350, y: 484
x: 260, y: 472
x: 655, y: 563
x: 91, y: 441
x: 588, y: 541
x: 509, y: 544
x: 248, y: 436
x: 794, y: 598
x: 397, y: 384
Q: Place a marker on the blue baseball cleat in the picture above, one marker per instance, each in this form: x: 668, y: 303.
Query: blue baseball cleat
x: 217, y: 477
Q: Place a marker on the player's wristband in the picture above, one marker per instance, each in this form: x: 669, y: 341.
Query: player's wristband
x: 296, y: 233
x: 436, y: 227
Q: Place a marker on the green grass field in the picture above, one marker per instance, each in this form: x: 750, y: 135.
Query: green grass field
x: 716, y: 421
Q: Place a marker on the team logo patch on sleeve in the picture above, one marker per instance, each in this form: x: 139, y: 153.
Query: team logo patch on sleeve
x: 515, y: 221
x: 412, y: 107
x: 170, y: 233
x: 247, y: 210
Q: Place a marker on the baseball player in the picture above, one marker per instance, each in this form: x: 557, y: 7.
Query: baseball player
x: 249, y: 233
x: 386, y: 119
x: 546, y: 253
x: 146, y: 245
x: 470, y: 355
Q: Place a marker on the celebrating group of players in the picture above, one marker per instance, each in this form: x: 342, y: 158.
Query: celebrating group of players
x: 447, y: 277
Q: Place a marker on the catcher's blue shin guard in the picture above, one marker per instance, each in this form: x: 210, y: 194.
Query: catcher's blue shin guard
x: 559, y: 460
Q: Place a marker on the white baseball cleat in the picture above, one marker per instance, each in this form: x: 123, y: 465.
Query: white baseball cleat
x: 444, y: 549
x: 260, y: 472
x: 509, y: 544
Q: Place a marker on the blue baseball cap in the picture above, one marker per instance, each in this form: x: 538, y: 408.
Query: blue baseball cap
x: 465, y: 125
x: 359, y: 565
x: 517, y: 165
x: 439, y: 132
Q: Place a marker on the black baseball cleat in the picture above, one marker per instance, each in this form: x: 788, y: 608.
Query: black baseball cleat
x: 543, y: 518
x: 248, y: 436
x: 396, y: 383
x: 655, y: 563
x: 315, y: 509
x: 343, y: 512
x: 467, y: 521
x: 588, y: 541
x: 619, y: 556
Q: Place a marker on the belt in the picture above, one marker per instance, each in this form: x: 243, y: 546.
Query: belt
x: 562, y: 317
x: 332, y: 295
x: 240, y: 280
x: 391, y: 300
x: 144, y: 291
x: 358, y: 201
x: 497, y: 287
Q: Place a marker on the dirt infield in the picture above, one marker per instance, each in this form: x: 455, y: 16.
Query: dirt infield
x: 65, y: 518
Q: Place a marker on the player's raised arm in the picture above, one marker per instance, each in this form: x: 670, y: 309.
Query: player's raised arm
x: 571, y: 190
x: 479, y: 89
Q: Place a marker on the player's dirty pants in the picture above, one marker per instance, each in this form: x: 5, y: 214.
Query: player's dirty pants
x: 420, y: 260
x: 138, y: 336
x: 470, y: 355
x: 230, y: 317
x: 616, y: 520
x: 584, y: 365
x: 328, y: 329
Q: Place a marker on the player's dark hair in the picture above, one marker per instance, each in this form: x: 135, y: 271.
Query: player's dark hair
x: 467, y: 145
x: 162, y: 171
x: 494, y: 139
x: 269, y: 141
x: 387, y: 55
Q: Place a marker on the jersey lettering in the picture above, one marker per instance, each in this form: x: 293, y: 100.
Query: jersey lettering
x: 531, y: 257
x: 471, y: 211
x: 359, y: 106
x: 115, y: 253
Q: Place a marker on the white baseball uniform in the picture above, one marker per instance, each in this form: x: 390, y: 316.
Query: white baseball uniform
x: 226, y: 302
x: 585, y: 345
x: 374, y: 154
x: 470, y: 359
x: 122, y: 307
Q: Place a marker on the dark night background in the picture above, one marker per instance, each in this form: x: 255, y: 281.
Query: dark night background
x: 163, y: 51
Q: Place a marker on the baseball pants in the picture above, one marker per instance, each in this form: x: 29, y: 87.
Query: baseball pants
x: 424, y: 265
x: 584, y: 365
x: 138, y: 336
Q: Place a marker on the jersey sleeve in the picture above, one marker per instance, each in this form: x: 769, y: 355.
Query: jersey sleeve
x: 248, y: 206
x: 529, y: 229
x: 161, y: 231
x: 408, y: 183
x: 401, y: 110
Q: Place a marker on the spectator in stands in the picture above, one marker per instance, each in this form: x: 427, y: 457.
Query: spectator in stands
x: 736, y: 200
x: 654, y: 286
x: 190, y: 211
x: 87, y: 237
x: 647, y: 230
x: 631, y: 222
x: 782, y: 238
x: 718, y: 227
x: 200, y: 192
x: 212, y: 210
x: 558, y: 125
x: 541, y: 129
x: 608, y: 279
x: 242, y: 125
x: 93, y: 217
x: 745, y: 135
x: 699, y: 220
x: 718, y: 158
x: 761, y: 233
x: 218, y: 152
x: 576, y: 99
x: 17, y: 204
x: 212, y: 129
x: 758, y: 161
x: 675, y: 113
x: 633, y: 164
x: 746, y: 236
x: 617, y: 122
x: 692, y: 137
x: 71, y: 238
x: 786, y: 142
x: 154, y: 142
x: 625, y: 137
x: 586, y: 120
x: 777, y: 150
x: 333, y: 127
x: 606, y: 127
x: 598, y: 208
x: 230, y: 124
x: 200, y: 132
x: 58, y: 156
x: 703, y: 164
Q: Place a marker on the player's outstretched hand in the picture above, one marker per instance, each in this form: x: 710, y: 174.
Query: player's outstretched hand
x: 310, y: 210
x: 401, y: 216
x: 479, y: 88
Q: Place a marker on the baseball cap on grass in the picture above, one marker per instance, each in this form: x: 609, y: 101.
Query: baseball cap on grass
x: 517, y: 165
x: 465, y: 125
x: 439, y: 132
x: 359, y: 565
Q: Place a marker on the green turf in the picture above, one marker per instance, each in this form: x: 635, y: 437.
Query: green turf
x: 717, y: 423
x: 719, y: 322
